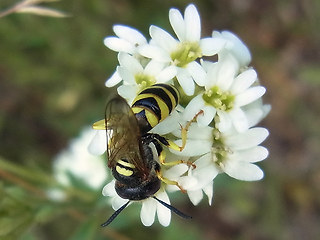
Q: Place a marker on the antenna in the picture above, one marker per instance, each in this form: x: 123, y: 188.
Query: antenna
x: 173, y: 209
x: 114, y: 215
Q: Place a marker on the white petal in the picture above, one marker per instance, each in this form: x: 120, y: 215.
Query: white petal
x: 192, y: 24
x: 126, y: 75
x: 254, y: 116
x: 130, y: 34
x: 197, y: 72
x: 188, y: 182
x: 205, y: 175
x: 212, y: 73
x: 249, y: 95
x: 243, y: 171
x: 238, y: 48
x: 193, y: 148
x: 211, y: 46
x: 205, y: 171
x: 197, y: 133
x: 148, y: 211
x: 164, y: 214
x: 239, y: 119
x: 175, y: 171
x: 119, y: 45
x: 225, y: 122
x: 208, y: 190
x: 193, y: 108
x: 168, y: 125
x: 154, y: 52
x: 109, y: 190
x: 226, y: 73
x: 243, y: 81
x: 203, y: 161
x: 195, y: 196
x: 252, y: 155
x: 186, y: 82
x: 162, y: 38
x: 98, y: 144
x: 128, y: 92
x: 118, y: 202
x: 166, y: 74
x: 207, y: 65
x: 129, y: 62
x: 256, y: 111
x: 153, y: 68
x: 206, y: 118
x: 113, y: 80
x: 266, y: 109
x: 177, y: 23
x: 248, y: 139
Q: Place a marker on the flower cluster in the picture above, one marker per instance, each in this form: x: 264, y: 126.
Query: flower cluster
x: 76, y: 164
x: 220, y: 101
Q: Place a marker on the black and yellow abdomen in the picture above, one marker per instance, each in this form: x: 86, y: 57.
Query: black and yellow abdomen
x: 154, y: 104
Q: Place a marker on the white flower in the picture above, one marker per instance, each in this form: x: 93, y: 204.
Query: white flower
x: 197, y: 179
x: 149, y: 208
x: 183, y: 52
x: 256, y: 111
x: 220, y: 103
x: 127, y: 40
x: 136, y: 77
x: 233, y: 153
x: 76, y: 161
x: 233, y: 46
x: 226, y: 92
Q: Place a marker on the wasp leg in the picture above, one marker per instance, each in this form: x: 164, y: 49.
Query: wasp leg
x: 170, y: 182
x: 184, y: 130
x: 184, y: 134
x: 162, y: 158
x: 171, y: 144
x: 155, y: 139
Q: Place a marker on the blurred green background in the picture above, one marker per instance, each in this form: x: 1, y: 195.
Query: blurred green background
x: 52, y: 74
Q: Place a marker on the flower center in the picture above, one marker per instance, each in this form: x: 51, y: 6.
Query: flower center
x: 144, y: 80
x: 219, y: 99
x: 219, y: 150
x: 185, y: 53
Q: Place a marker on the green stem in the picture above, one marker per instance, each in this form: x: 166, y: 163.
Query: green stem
x: 25, y: 173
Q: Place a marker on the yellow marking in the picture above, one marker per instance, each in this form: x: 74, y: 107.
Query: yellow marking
x: 126, y: 164
x: 173, y: 100
x: 141, y: 96
x: 99, y: 125
x: 123, y: 171
x: 136, y: 110
x: 163, y: 107
x: 151, y: 118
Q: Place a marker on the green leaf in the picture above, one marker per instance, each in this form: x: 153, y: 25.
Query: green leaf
x: 15, y: 216
x: 86, y: 231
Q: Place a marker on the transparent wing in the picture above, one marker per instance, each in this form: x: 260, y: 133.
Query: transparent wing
x: 123, y: 134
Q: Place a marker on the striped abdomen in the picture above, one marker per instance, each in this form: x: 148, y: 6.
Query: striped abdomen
x: 154, y: 104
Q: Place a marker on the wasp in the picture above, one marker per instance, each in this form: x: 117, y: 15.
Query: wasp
x: 130, y: 156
